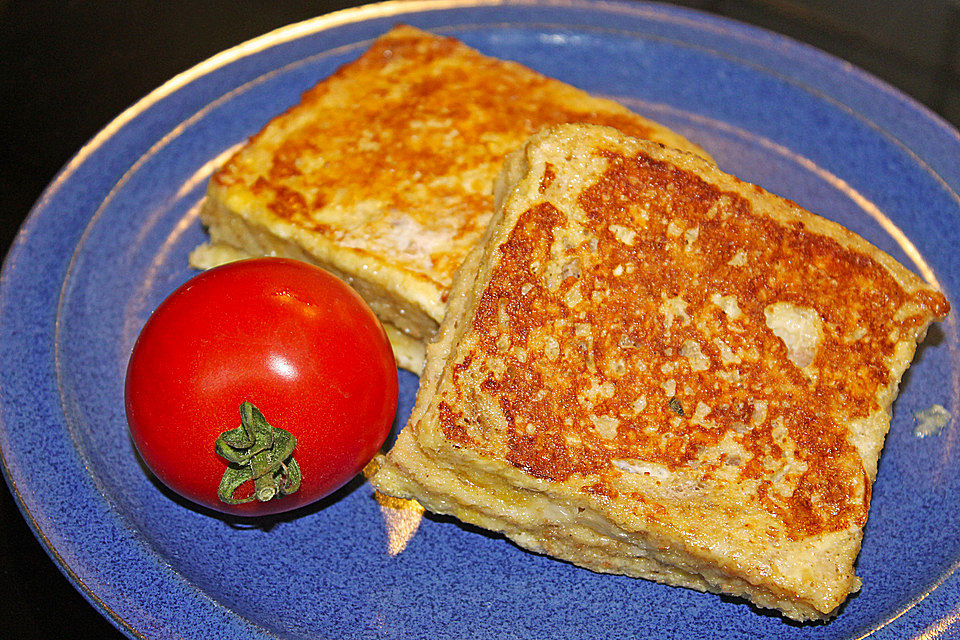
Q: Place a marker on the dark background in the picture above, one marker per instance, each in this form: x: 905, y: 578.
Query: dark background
x: 67, y: 68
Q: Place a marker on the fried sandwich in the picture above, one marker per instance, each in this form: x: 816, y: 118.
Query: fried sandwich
x: 383, y: 172
x: 651, y: 368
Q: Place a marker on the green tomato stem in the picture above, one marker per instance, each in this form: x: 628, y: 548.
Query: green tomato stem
x: 257, y: 452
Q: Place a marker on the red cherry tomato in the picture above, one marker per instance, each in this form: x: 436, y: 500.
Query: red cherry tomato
x: 266, y: 337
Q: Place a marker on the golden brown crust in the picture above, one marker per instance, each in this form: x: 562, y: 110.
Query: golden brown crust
x: 681, y: 356
x: 683, y: 248
x: 384, y: 170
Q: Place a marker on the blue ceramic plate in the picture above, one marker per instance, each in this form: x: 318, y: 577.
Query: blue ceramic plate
x: 110, y: 238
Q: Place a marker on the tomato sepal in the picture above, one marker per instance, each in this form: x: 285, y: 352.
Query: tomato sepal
x: 259, y: 452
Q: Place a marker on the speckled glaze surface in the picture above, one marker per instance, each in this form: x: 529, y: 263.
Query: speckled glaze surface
x: 110, y: 238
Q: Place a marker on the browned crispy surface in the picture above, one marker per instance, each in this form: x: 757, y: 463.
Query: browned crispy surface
x: 460, y: 111
x: 388, y: 165
x: 551, y: 435
x: 623, y: 341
